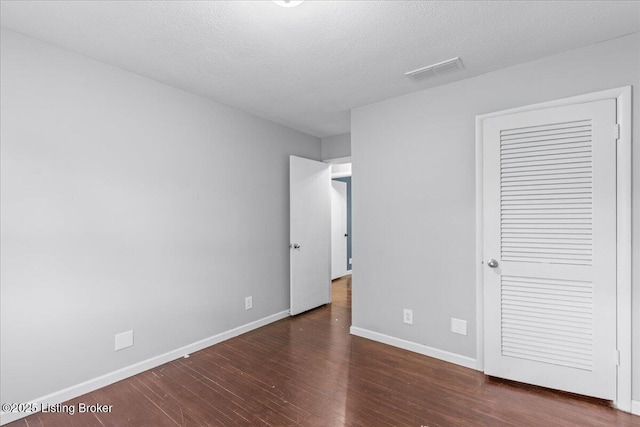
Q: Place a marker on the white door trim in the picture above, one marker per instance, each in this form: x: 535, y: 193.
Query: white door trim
x: 338, y: 229
x: 338, y: 160
x: 623, y: 206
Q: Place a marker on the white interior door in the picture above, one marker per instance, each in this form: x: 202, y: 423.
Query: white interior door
x: 310, y: 234
x: 338, y: 229
x: 550, y: 247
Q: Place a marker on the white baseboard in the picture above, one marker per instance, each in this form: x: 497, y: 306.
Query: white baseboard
x: 131, y: 370
x: 635, y: 407
x: 458, y: 359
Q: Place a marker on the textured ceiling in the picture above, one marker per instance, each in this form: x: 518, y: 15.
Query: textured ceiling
x: 307, y: 66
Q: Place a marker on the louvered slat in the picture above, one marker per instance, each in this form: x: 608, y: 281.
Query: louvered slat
x: 549, y: 321
x: 537, y: 146
x: 546, y: 176
x: 559, y: 171
x: 546, y: 193
x: 546, y: 217
x: 545, y: 127
x: 579, y: 165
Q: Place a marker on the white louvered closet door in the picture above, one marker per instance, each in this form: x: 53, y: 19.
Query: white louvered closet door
x: 550, y: 224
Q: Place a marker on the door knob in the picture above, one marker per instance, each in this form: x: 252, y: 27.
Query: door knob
x: 492, y: 263
x: 296, y: 246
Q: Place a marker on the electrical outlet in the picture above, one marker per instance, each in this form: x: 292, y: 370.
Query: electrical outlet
x: 458, y: 326
x: 408, y: 316
x: 124, y: 340
x: 248, y: 303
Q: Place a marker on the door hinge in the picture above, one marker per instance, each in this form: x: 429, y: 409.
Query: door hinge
x: 616, y: 131
x: 616, y: 357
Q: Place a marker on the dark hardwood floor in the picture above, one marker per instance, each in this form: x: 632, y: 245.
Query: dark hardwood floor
x: 308, y: 371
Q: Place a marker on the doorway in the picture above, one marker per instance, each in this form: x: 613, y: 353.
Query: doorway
x: 342, y: 235
x: 310, y: 244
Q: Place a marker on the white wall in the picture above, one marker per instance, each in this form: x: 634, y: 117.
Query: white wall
x: 128, y: 204
x: 414, y: 180
x: 336, y: 147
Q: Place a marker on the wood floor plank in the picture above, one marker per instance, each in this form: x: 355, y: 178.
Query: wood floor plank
x: 309, y: 371
x: 259, y: 397
x: 189, y: 404
x: 164, y: 399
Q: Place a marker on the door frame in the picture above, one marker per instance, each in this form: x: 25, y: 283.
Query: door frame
x: 342, y: 160
x: 623, y: 238
x: 343, y: 261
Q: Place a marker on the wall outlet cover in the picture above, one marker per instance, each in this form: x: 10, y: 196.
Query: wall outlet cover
x: 248, y: 303
x: 124, y: 340
x: 408, y: 316
x: 458, y: 326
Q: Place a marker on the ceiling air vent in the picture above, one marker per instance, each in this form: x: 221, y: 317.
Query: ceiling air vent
x: 435, y: 70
